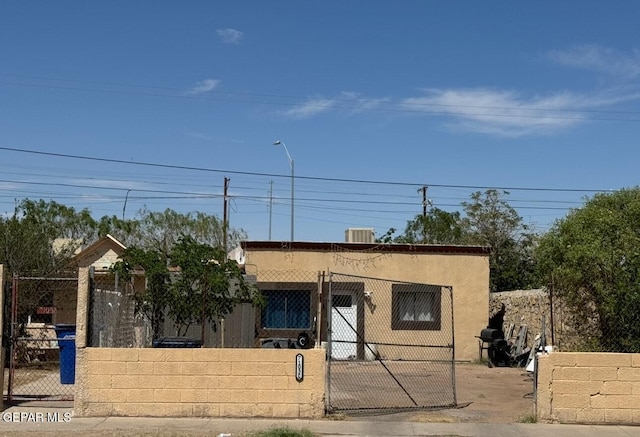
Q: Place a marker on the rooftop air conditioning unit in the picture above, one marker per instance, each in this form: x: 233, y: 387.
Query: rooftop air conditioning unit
x: 359, y: 235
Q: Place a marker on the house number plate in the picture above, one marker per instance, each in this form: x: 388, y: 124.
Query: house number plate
x: 299, y: 367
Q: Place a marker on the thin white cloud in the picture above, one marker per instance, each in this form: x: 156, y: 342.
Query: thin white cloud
x: 310, y: 108
x: 230, y: 36
x: 204, y: 86
x: 482, y: 110
x: 600, y: 59
x: 9, y: 185
x: 357, y: 104
x: 497, y: 112
x: 347, y: 101
x: 502, y: 112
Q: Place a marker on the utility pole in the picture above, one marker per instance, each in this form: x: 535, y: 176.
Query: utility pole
x: 424, y: 199
x: 270, y: 206
x: 225, y: 219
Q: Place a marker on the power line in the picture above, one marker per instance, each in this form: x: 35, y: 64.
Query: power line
x: 259, y: 98
x: 312, y: 178
x: 128, y: 183
x: 350, y: 107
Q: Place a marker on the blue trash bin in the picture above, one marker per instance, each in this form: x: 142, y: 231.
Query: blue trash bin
x: 66, y: 334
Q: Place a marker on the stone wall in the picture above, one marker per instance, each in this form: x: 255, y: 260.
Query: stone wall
x: 529, y: 307
x: 575, y: 387
x: 523, y: 307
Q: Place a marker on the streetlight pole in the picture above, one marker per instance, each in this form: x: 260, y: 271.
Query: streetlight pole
x: 291, y: 164
x: 125, y: 203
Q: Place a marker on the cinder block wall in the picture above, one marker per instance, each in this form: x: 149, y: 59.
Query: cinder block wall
x: 199, y: 383
x: 589, y: 388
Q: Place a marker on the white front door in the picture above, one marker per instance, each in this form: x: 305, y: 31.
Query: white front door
x: 344, y: 323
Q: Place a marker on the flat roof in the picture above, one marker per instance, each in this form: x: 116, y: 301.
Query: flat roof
x: 381, y: 247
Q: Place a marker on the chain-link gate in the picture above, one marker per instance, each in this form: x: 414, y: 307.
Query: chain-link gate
x: 39, y: 306
x: 390, y: 344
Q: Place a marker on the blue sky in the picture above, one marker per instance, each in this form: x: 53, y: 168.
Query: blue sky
x: 156, y: 102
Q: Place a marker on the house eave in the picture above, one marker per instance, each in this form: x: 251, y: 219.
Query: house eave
x: 382, y: 247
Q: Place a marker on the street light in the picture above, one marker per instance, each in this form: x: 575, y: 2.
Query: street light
x: 278, y: 143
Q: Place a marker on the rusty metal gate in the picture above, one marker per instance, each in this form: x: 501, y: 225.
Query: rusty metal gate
x: 38, y: 305
x: 389, y: 345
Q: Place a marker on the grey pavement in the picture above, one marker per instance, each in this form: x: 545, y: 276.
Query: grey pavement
x: 18, y: 419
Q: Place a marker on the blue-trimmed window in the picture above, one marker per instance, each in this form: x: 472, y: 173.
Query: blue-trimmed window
x: 286, y: 309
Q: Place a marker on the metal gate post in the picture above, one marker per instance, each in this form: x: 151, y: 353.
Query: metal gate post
x: 12, y: 334
x: 328, y: 352
x: 318, y: 326
x: 453, y: 349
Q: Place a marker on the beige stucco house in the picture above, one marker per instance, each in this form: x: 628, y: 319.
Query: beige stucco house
x: 377, y: 314
x: 100, y: 255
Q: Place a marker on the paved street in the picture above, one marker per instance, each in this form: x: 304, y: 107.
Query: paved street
x: 17, y: 421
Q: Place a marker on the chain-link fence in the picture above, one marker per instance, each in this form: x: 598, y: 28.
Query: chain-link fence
x: 112, y: 318
x: 41, y: 311
x: 288, y: 317
x: 390, y: 344
x: 291, y: 315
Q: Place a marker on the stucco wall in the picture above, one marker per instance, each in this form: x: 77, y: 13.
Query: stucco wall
x: 468, y: 274
x: 199, y: 383
x: 576, y: 387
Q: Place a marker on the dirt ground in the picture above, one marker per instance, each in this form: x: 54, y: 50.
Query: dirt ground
x: 484, y: 395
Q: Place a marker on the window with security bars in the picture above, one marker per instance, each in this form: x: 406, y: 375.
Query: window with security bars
x: 415, y: 307
x: 286, y: 309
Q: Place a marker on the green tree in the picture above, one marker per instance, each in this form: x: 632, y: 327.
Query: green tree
x: 39, y: 240
x: 592, y: 260
x: 161, y: 230
x: 195, y: 283
x: 117, y: 227
x: 437, y: 227
x: 59, y: 221
x: 491, y: 221
x: 208, y: 285
x: 41, y: 237
x: 155, y: 298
